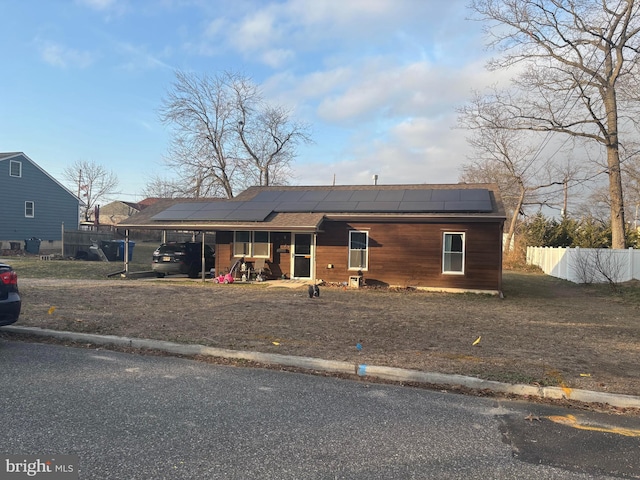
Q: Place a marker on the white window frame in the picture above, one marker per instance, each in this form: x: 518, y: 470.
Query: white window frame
x: 29, y: 205
x: 250, y: 250
x: 446, y: 253
x: 11, y: 168
x: 365, y: 249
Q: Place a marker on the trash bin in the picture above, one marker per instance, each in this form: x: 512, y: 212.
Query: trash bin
x: 110, y: 249
x: 32, y: 245
x: 121, y: 249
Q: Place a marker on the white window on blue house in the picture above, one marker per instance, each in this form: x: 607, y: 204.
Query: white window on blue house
x: 15, y: 168
x: 29, y: 209
x: 358, y: 250
x: 453, y: 253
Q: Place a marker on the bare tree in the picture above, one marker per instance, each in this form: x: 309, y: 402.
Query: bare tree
x: 158, y: 187
x: 267, y: 141
x: 507, y: 157
x: 579, y: 64
x: 93, y: 183
x: 225, y: 136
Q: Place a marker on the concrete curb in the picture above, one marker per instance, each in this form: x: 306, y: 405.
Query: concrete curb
x: 386, y: 373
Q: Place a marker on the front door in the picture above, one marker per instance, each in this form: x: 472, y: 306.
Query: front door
x: 302, y: 255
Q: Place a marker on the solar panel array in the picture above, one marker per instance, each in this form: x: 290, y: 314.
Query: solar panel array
x: 334, y: 201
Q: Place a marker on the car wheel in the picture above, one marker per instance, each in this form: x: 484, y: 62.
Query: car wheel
x: 193, y: 274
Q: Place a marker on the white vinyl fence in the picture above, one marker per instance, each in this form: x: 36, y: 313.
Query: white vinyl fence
x: 587, y: 265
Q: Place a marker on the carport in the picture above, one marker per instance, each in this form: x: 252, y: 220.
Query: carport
x: 143, y: 221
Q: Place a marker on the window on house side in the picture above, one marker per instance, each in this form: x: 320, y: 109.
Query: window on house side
x: 29, y: 209
x: 15, y: 168
x: 453, y: 253
x: 358, y: 250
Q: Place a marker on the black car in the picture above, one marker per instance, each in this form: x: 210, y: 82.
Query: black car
x: 10, y: 302
x: 182, y: 257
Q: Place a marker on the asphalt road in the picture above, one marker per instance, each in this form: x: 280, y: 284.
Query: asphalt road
x: 145, y: 417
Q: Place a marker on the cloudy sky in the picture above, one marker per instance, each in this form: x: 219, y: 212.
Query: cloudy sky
x: 377, y: 80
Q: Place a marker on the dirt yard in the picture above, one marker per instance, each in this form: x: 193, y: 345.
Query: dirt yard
x: 545, y: 331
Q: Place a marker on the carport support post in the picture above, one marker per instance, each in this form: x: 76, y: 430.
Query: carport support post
x: 202, y: 259
x: 313, y: 266
x: 126, y: 251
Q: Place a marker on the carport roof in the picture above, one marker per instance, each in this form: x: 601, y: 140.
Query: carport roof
x: 275, y: 221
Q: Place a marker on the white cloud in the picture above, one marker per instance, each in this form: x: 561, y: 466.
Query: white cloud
x: 60, y: 56
x: 97, y: 4
x: 254, y: 32
x: 403, y: 90
x: 139, y: 58
x: 277, y: 57
x: 417, y: 150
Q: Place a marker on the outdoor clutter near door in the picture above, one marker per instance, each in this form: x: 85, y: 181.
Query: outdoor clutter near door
x: 440, y: 237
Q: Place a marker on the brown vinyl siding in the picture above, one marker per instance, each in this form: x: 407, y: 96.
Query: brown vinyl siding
x: 410, y: 254
x: 400, y: 254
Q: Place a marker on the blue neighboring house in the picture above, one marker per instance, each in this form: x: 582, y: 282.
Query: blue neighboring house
x: 33, y: 204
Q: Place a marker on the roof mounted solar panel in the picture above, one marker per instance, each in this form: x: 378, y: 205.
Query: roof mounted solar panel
x: 338, y: 196
x: 474, y: 194
x: 390, y: 196
x: 417, y: 195
x: 445, y: 195
x: 256, y: 215
x: 364, y: 195
x: 210, y: 215
x: 338, y: 206
x: 214, y: 206
x: 377, y: 206
x: 267, y: 196
x: 164, y: 215
x: 314, y: 196
x: 289, y: 196
x: 179, y: 211
x: 251, y: 205
x: 467, y: 207
x: 342, y: 200
x: 297, y: 207
x: 421, y: 207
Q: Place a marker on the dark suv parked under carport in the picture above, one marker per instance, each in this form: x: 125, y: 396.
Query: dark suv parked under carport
x: 182, y: 257
x: 10, y: 301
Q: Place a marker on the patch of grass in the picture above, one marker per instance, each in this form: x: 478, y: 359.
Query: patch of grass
x: 542, y: 322
x: 30, y: 266
x: 518, y: 284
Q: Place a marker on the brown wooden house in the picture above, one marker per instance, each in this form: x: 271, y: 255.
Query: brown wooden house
x: 441, y: 237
